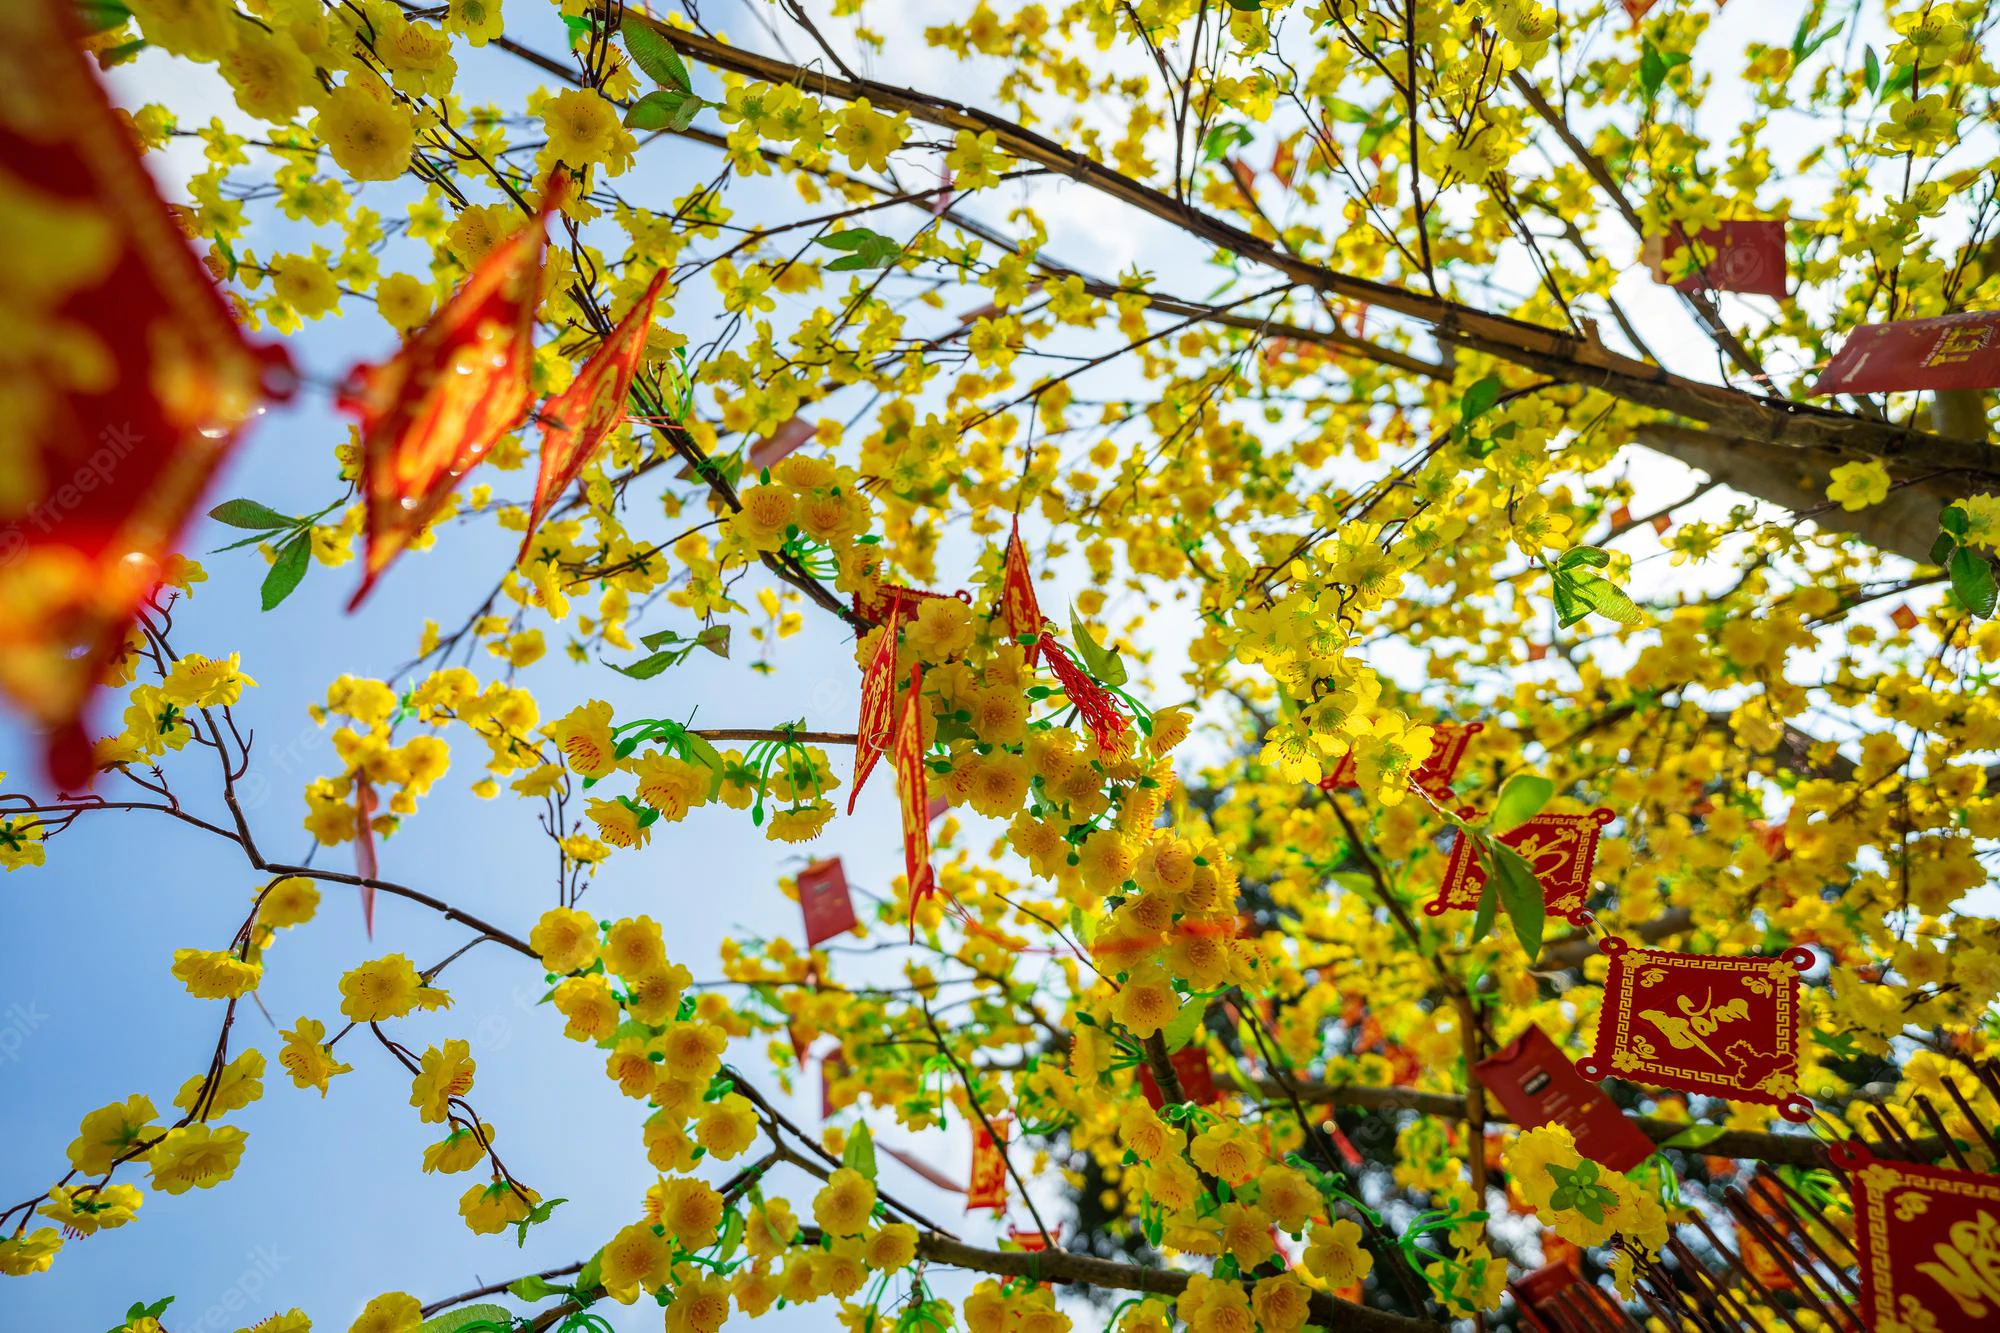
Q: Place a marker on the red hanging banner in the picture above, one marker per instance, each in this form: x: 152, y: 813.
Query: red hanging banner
x: 1020, y: 611
x: 1448, y: 742
x: 1741, y: 255
x: 575, y: 421
x: 987, y: 1185
x: 1929, y: 1241
x: 912, y: 782
x: 826, y: 902
x: 1727, y: 1027
x: 431, y: 412
x: 128, y: 380
x: 1561, y: 849
x: 1537, y: 1085
x: 1948, y: 352
x: 878, y: 703
x: 1190, y: 1066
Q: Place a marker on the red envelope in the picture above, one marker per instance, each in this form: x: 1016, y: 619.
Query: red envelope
x: 988, y: 1185
x: 1537, y: 1085
x: 1748, y: 256
x: 1190, y: 1065
x: 824, y: 897
x: 1949, y: 352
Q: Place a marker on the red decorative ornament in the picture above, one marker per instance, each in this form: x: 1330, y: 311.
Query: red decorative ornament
x: 1448, y: 742
x: 987, y: 1184
x: 460, y: 382
x: 365, y: 862
x: 1100, y: 711
x: 1929, y: 1241
x: 1947, y: 352
x: 826, y: 902
x: 780, y: 444
x: 878, y: 703
x: 875, y: 605
x: 912, y: 781
x: 575, y: 421
x: 128, y: 380
x: 1020, y: 611
x: 1745, y: 255
x: 1190, y: 1066
x: 1560, y: 848
x: 1728, y: 1027
x: 1536, y: 1084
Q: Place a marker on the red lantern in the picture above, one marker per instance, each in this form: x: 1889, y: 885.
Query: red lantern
x: 1728, y: 1027
x: 1448, y: 742
x: 1561, y: 849
x: 1536, y: 1084
x: 1929, y: 1241
x: 457, y: 384
x: 826, y: 902
x: 127, y: 375
x: 575, y: 421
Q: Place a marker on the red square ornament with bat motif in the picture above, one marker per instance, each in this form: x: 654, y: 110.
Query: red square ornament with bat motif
x: 1560, y: 848
x: 1929, y: 1241
x: 1727, y: 1027
x: 1448, y: 742
x: 1739, y: 255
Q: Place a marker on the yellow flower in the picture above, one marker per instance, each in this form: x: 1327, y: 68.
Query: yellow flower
x: 110, y: 1132
x: 478, y: 21
x: 867, y: 137
x: 204, y: 682
x: 689, y: 1209
x: 1858, y: 485
x: 1531, y: 1155
x: 727, y: 1126
x: 589, y: 1007
x: 633, y: 1260
x: 584, y: 737
x: 1281, y: 1303
x: 383, y: 988
x: 1334, y: 1253
x: 844, y: 1203
x: 209, y: 975
x: 566, y: 939
x: 195, y: 1157
x: 29, y: 1252
x: 391, y: 1312
x: 693, y: 1050
x: 369, y: 136
x: 442, y: 1075
x: 87, y: 1211
x: 404, y: 301
x: 292, y: 901
x: 670, y: 784
x: 460, y: 1150
x: 584, y: 130
x: 306, y: 285
x: 890, y: 1247
x: 617, y: 823
x: 700, y: 1305
x: 490, y: 1209
x: 198, y: 29
x: 306, y: 1056
x: 240, y: 1083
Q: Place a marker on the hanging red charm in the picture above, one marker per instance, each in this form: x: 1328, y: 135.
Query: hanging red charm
x: 987, y: 1184
x: 1448, y: 742
x: 1536, y: 1084
x: 1020, y: 611
x: 912, y: 782
x: 1100, y: 711
x: 365, y: 863
x: 826, y: 902
x: 1743, y: 255
x: 878, y: 703
x: 127, y: 379
x: 1929, y: 1241
x: 459, y: 383
x: 1561, y: 849
x: 1728, y: 1027
x: 1190, y: 1066
x: 575, y: 421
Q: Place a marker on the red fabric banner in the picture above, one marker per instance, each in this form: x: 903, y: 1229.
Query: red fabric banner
x: 1561, y: 849
x: 1727, y: 1027
x: 1020, y: 610
x: 1929, y: 1241
x: 575, y: 421
x: 878, y: 703
x: 457, y: 384
x: 1190, y: 1066
x: 987, y: 1187
x: 128, y: 380
x: 1949, y: 352
x: 912, y: 783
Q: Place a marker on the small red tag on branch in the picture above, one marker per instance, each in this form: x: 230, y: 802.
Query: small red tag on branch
x: 575, y: 421
x: 1744, y: 255
x: 1727, y: 1027
x: 826, y: 901
x: 1560, y: 849
x: 457, y: 384
x: 1190, y: 1066
x: 987, y: 1185
x: 1948, y: 352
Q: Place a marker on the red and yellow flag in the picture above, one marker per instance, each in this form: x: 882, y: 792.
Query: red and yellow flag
x: 912, y: 783
x: 1020, y: 610
x: 457, y: 384
x: 878, y: 703
x: 575, y: 421
x: 127, y: 380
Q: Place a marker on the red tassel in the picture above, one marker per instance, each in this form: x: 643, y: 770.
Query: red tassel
x: 1099, y: 709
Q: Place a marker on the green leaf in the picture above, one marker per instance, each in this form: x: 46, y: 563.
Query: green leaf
x: 1482, y: 920
x: 864, y: 249
x: 1347, y: 111
x: 100, y: 15
x: 1521, y: 799
x: 1826, y: 35
x: 666, y: 109
x: 249, y: 514
x: 1182, y: 1027
x: 1696, y: 1136
x: 1247, y: 6
x: 1955, y: 520
x: 293, y: 559
x: 1215, y: 145
x: 1607, y: 599
x: 1098, y: 660
x: 453, y: 1320
x: 1520, y: 894
x: 591, y: 1276
x: 1570, y: 608
x: 1871, y: 69
x: 1577, y: 556
x: 534, y: 1288
x: 1972, y: 581
x: 655, y: 54
x: 1374, y: 134
x: 859, y: 1154
x: 1942, y: 548
x: 648, y: 667
x: 733, y: 1227
x: 1652, y: 71
x: 716, y: 639
x: 1479, y: 398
